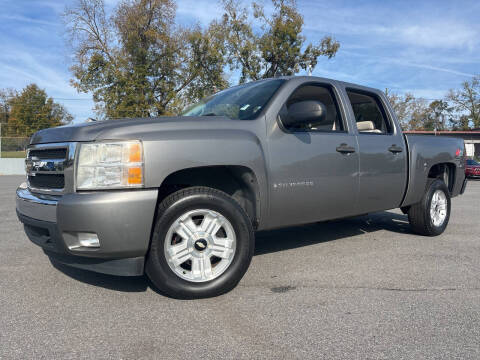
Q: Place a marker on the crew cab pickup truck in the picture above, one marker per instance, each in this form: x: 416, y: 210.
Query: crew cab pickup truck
x: 180, y: 198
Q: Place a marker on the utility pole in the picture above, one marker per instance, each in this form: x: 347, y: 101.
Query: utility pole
x: 0, y: 140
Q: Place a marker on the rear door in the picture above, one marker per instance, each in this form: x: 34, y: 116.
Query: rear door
x: 382, y: 152
x: 313, y: 168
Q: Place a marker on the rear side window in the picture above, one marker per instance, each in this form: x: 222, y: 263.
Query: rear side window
x: 332, y: 120
x: 370, y: 115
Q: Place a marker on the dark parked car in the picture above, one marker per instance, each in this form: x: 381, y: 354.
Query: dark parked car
x: 472, y: 169
x: 180, y: 198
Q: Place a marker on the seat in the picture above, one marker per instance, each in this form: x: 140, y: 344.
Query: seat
x: 367, y: 127
x: 327, y: 122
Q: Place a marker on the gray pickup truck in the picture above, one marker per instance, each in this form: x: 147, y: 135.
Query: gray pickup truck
x: 179, y: 198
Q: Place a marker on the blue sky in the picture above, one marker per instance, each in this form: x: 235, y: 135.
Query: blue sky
x: 423, y: 47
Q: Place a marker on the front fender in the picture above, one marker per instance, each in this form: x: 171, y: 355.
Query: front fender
x: 172, y: 151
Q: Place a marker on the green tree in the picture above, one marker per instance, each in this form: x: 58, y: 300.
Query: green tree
x: 277, y: 48
x: 5, y: 98
x: 438, y: 116
x: 138, y: 62
x: 466, y: 102
x: 401, y: 105
x: 32, y: 110
x: 412, y: 112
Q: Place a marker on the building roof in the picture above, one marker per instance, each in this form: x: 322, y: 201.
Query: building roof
x: 444, y: 132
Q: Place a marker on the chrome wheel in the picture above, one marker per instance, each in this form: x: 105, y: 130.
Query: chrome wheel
x: 438, y: 208
x: 200, y: 245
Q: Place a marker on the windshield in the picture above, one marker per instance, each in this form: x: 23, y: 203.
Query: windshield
x: 243, y: 102
x: 472, y: 162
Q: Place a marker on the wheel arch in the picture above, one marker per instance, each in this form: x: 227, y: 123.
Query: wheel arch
x: 238, y: 181
x: 438, y: 171
x: 444, y: 171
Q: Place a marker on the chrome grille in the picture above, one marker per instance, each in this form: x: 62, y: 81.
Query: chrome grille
x: 49, y: 168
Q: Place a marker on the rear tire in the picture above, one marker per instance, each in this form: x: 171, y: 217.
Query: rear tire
x: 192, y: 255
x: 446, y: 176
x: 430, y: 216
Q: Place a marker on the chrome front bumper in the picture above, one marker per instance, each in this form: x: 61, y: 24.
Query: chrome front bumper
x: 42, y: 208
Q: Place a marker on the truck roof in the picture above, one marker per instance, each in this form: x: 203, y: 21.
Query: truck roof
x: 304, y: 78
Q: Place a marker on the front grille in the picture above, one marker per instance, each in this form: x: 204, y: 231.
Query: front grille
x: 46, y: 167
x: 48, y: 154
x: 44, y: 181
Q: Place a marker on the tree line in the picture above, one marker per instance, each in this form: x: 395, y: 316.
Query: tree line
x: 458, y: 110
x: 138, y: 61
x: 25, y: 112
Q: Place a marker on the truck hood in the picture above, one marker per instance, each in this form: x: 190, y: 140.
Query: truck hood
x: 132, y: 128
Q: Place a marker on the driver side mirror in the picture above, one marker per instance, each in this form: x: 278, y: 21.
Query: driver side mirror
x: 305, y: 112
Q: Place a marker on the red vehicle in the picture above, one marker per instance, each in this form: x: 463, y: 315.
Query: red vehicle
x: 472, y: 169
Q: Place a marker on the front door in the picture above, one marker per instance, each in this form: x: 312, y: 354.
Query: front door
x: 314, y: 167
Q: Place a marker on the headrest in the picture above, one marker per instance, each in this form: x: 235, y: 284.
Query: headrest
x: 365, y: 126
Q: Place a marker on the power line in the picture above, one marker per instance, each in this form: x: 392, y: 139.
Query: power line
x: 55, y: 98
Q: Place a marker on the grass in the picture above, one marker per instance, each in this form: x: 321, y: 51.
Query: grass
x: 13, y: 154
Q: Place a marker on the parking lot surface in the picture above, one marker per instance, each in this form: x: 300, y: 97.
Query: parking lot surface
x: 357, y: 288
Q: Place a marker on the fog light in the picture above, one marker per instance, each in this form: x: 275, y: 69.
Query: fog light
x: 88, y: 240
x: 81, y: 241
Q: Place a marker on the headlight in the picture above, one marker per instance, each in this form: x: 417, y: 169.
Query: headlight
x: 110, y: 165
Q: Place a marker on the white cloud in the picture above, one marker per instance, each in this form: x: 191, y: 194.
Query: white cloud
x: 56, y: 6
x: 199, y: 11
x: 28, y: 20
x: 429, y: 24
x: 444, y: 35
x: 407, y: 61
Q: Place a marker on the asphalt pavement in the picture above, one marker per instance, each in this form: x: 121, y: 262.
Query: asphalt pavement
x: 360, y: 288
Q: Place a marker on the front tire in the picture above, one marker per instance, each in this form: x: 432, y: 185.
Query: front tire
x: 202, y: 244
x: 430, y: 216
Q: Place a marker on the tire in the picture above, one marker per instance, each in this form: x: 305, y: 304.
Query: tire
x: 420, y: 214
x: 181, y: 214
x: 446, y: 176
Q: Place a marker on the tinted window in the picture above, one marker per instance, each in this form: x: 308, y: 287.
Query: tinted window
x: 243, y: 102
x: 330, y: 122
x: 369, y: 114
x: 471, y: 162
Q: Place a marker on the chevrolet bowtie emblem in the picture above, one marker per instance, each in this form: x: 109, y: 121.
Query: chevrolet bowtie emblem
x: 33, y: 166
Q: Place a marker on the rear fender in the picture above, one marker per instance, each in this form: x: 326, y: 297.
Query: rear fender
x: 424, y: 153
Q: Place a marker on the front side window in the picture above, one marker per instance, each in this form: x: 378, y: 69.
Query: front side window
x: 370, y: 116
x: 328, y: 120
x: 243, y: 102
